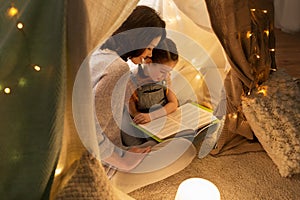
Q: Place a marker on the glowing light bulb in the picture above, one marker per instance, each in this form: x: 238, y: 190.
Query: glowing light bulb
x: 266, y: 32
x: 257, y: 56
x: 264, y: 11
x: 272, y: 50
x: 249, y: 34
x: 12, y: 11
x: 197, y: 188
x: 234, y: 116
x: 253, y: 9
x: 58, y: 171
x: 20, y: 25
x: 262, y: 90
x: 37, y: 68
x: 7, y: 90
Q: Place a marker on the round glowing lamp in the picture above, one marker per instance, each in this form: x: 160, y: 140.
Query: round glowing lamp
x: 197, y: 188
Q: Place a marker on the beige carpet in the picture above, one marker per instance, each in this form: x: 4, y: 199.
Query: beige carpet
x: 238, y: 177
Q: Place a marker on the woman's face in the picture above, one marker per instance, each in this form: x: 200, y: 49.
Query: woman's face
x: 147, y: 53
x: 157, y: 71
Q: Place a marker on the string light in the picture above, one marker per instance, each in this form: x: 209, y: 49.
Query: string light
x: 262, y: 90
x: 266, y: 32
x: 233, y: 115
x: 58, y: 171
x: 249, y: 34
x: 7, y: 90
x: 252, y: 9
x: 12, y: 11
x: 20, y: 25
x: 264, y: 11
x: 21, y: 81
x: 272, y: 50
x: 37, y: 68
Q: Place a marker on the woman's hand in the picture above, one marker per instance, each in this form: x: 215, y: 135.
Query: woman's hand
x: 129, y: 160
x: 142, y: 118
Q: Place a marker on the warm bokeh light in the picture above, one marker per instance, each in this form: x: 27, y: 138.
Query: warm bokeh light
x: 7, y: 90
x: 266, y: 32
x: 262, y: 90
x: 37, y: 68
x: 22, y: 82
x: 265, y: 11
x: 58, y: 171
x: 249, y: 34
x: 20, y: 25
x: 253, y: 9
x: 12, y: 11
x: 234, y: 116
x: 272, y: 50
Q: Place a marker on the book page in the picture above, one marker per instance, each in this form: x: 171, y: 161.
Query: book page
x: 188, y: 117
x: 163, y: 127
x: 192, y: 116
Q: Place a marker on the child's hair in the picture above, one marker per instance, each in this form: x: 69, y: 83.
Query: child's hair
x: 165, y: 51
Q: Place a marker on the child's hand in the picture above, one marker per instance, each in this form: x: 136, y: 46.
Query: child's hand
x: 142, y: 118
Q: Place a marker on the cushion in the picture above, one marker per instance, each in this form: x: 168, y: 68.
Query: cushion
x: 273, y: 112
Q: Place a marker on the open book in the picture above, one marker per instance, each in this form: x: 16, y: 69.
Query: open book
x: 188, y: 119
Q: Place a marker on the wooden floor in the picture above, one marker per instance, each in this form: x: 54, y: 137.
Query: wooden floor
x: 288, y: 52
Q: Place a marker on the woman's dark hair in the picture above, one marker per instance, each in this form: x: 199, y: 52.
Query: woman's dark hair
x: 165, y: 51
x: 136, y: 33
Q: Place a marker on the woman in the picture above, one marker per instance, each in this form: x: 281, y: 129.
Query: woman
x: 134, y: 40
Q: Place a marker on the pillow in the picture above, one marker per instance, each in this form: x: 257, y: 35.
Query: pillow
x: 86, y: 179
x: 273, y: 112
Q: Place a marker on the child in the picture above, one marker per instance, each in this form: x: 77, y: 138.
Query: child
x: 148, y: 91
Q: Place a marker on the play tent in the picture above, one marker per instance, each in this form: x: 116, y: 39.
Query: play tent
x: 43, y: 44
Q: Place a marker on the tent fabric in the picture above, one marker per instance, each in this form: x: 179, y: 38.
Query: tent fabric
x: 32, y: 65
x: 88, y: 24
x: 246, y: 33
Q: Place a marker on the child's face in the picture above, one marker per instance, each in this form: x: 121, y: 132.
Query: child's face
x: 159, y: 72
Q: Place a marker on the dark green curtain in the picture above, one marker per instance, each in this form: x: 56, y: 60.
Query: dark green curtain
x: 245, y: 30
x: 31, y: 120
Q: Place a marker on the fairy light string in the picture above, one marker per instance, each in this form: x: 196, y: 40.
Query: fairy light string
x: 9, y: 85
x: 257, y: 56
